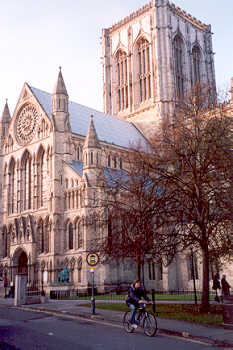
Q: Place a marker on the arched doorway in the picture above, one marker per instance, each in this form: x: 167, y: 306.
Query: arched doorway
x: 23, y: 263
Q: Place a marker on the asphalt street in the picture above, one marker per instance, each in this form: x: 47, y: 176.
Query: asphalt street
x: 25, y: 330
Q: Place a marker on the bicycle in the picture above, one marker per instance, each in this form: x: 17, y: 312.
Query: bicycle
x: 144, y: 320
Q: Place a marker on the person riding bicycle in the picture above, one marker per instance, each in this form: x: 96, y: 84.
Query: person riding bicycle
x: 136, y: 293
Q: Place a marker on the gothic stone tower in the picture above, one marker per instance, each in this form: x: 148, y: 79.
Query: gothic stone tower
x: 150, y: 59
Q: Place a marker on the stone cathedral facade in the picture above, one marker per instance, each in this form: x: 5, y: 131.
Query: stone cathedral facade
x: 54, y: 150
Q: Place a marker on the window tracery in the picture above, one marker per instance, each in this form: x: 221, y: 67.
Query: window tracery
x: 178, y: 47
x: 122, y: 74
x: 143, y: 47
x: 26, y: 181
x: 196, y: 58
x: 11, y: 187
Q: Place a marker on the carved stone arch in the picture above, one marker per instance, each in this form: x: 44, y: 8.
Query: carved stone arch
x: 120, y: 50
x: 72, y: 262
x: 141, y: 36
x: 12, y: 162
x: 26, y: 154
x: 66, y: 262
x: 40, y: 235
x: 40, y: 152
x: 20, y: 259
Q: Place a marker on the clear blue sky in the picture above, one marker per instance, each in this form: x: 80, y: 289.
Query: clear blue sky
x: 38, y: 36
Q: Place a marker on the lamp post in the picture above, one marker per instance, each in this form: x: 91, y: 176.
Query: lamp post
x: 92, y: 291
x: 92, y: 260
x: 193, y: 276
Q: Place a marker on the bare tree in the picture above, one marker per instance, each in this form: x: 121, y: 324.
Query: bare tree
x: 135, y: 215
x: 193, y: 158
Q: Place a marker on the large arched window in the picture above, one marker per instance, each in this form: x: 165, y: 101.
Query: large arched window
x: 178, y: 47
x: 196, y: 58
x: 11, y: 188
x: 122, y: 74
x: 5, y: 242
x: 42, y: 236
x: 71, y: 236
x: 80, y: 234
x: 26, y: 181
x: 144, y: 69
x: 40, y: 177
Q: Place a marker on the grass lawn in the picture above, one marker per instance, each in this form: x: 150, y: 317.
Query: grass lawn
x: 184, y: 312
x: 157, y: 297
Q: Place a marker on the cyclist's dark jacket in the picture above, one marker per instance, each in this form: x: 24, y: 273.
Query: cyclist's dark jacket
x: 135, y: 295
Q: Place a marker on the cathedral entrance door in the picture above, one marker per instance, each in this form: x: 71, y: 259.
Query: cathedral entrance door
x: 23, y: 264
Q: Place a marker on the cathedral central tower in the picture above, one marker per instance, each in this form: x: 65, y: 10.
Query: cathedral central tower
x: 152, y: 58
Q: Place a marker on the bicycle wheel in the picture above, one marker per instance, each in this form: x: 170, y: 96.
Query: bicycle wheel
x: 126, y: 322
x: 150, y: 325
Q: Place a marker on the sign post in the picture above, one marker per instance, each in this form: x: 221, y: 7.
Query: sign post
x: 92, y: 260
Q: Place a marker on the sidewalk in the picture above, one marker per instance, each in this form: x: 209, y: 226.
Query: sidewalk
x: 219, y: 336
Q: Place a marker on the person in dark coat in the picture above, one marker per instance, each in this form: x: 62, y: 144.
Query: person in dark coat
x: 225, y: 287
x: 216, y: 286
x: 136, y: 293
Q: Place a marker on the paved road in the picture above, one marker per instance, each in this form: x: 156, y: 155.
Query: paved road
x: 37, y: 331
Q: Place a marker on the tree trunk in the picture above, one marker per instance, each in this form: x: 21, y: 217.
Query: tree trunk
x: 205, y: 305
x: 138, y: 270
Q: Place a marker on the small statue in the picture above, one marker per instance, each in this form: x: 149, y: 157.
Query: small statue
x: 63, y: 276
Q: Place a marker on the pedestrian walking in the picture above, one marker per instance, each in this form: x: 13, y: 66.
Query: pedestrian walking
x: 216, y: 286
x: 225, y: 287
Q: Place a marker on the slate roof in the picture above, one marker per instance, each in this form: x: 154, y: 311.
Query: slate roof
x: 111, y: 175
x: 108, y: 128
x: 77, y: 167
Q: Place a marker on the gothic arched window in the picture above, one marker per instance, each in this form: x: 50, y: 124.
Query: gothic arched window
x: 178, y: 47
x: 5, y: 242
x: 144, y: 69
x: 26, y: 181
x: 196, y: 57
x: 71, y: 236
x: 41, y: 230
x: 40, y: 178
x: 11, y: 188
x: 122, y: 73
x: 80, y: 234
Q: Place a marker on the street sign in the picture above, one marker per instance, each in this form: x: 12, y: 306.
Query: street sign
x: 91, y: 268
x: 92, y: 259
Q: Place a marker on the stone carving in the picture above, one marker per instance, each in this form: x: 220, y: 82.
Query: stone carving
x: 26, y: 124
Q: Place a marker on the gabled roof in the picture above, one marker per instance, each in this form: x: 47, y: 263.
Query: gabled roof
x: 108, y: 128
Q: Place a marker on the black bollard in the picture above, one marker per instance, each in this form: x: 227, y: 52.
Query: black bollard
x: 153, y: 300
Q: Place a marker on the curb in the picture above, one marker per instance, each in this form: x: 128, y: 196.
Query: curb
x: 96, y: 318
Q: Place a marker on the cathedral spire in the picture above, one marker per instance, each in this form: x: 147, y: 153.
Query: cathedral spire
x: 5, y: 121
x: 6, y: 117
x: 60, y: 87
x: 60, y: 104
x: 91, y: 140
x: 91, y: 153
